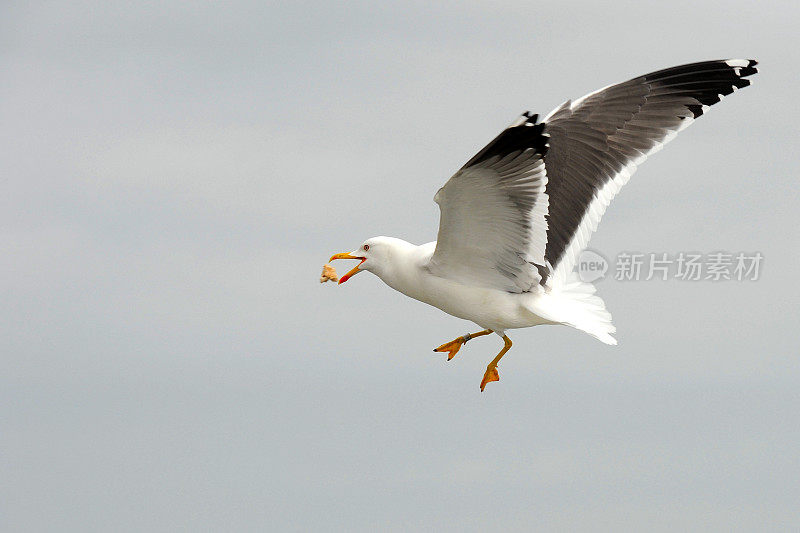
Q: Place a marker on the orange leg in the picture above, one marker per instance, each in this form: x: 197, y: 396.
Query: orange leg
x: 453, y: 346
x: 491, y: 373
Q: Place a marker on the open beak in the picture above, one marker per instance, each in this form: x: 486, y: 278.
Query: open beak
x: 352, y: 272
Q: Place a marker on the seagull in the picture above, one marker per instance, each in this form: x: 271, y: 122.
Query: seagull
x: 515, y: 217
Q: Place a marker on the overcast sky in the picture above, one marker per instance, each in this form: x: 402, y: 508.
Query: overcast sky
x: 175, y: 175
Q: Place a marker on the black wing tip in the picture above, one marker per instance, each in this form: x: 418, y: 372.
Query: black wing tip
x: 742, y: 68
x: 707, y: 81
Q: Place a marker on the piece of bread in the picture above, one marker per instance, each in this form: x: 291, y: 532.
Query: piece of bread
x: 328, y: 274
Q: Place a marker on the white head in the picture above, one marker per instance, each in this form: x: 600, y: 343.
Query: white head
x: 375, y: 254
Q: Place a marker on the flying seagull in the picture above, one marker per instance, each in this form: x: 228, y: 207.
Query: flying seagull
x: 516, y: 216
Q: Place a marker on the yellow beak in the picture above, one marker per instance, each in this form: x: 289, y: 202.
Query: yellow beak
x: 352, y: 272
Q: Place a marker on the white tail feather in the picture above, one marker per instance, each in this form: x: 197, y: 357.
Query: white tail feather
x: 574, y: 303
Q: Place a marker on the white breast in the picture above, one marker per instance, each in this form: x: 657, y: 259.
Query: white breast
x: 489, y: 308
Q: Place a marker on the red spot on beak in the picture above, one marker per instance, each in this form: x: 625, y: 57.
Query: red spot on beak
x: 353, y: 271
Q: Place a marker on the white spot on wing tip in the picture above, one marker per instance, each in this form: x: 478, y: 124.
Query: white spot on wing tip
x: 737, y: 63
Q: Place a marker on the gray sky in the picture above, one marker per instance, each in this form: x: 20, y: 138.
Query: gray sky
x: 175, y: 176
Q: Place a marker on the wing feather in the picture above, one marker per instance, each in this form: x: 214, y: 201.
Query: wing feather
x: 492, y: 229
x: 597, y: 142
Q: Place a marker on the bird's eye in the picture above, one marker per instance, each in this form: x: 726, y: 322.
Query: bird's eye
x: 366, y: 247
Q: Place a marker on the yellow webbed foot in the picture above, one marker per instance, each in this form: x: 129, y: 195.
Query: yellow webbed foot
x: 454, y: 346
x: 491, y: 374
x: 451, y: 347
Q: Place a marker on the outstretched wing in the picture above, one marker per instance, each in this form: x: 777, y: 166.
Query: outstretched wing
x: 597, y: 141
x: 492, y: 230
